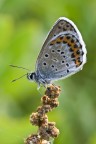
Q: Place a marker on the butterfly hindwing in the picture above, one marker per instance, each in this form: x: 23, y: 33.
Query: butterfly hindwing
x: 63, y: 52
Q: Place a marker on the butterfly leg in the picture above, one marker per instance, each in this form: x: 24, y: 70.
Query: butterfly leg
x: 38, y: 86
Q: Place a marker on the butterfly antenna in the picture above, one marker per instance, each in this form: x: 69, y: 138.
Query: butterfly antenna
x: 19, y: 67
x: 18, y: 78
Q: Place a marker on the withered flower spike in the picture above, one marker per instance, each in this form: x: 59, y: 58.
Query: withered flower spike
x: 33, y: 139
x: 46, y: 130
x: 52, y: 91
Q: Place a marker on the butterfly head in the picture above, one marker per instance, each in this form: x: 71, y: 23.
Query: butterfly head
x: 31, y: 76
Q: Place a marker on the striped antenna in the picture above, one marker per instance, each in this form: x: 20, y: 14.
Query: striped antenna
x: 19, y: 67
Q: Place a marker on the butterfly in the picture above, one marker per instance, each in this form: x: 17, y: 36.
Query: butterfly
x: 62, y: 55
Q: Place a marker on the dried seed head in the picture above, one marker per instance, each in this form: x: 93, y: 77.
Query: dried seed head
x: 52, y: 91
x: 46, y: 142
x: 46, y: 130
x: 49, y: 131
x: 43, y: 132
x: 45, y: 99
x: 54, y: 132
x: 54, y: 103
x: 33, y: 139
x: 44, y: 109
x: 35, y: 119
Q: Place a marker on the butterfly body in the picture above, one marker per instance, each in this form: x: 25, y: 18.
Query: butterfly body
x: 62, y: 54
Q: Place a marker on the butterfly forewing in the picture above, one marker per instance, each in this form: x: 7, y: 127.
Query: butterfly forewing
x: 62, y: 25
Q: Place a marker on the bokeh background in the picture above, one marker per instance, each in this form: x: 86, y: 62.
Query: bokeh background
x: 24, y: 25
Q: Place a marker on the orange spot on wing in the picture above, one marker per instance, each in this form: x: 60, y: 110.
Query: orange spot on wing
x: 53, y: 42
x: 78, y: 63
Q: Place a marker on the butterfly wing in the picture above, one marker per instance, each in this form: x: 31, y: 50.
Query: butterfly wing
x: 63, y: 52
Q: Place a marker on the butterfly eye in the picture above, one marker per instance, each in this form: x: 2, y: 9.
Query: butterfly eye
x: 31, y: 76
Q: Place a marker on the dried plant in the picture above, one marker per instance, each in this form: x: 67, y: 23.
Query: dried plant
x: 47, y: 131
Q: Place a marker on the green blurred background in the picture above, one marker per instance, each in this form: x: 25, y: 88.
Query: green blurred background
x: 24, y: 25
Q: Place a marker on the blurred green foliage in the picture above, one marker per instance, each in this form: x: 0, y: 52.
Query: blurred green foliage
x: 24, y: 25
